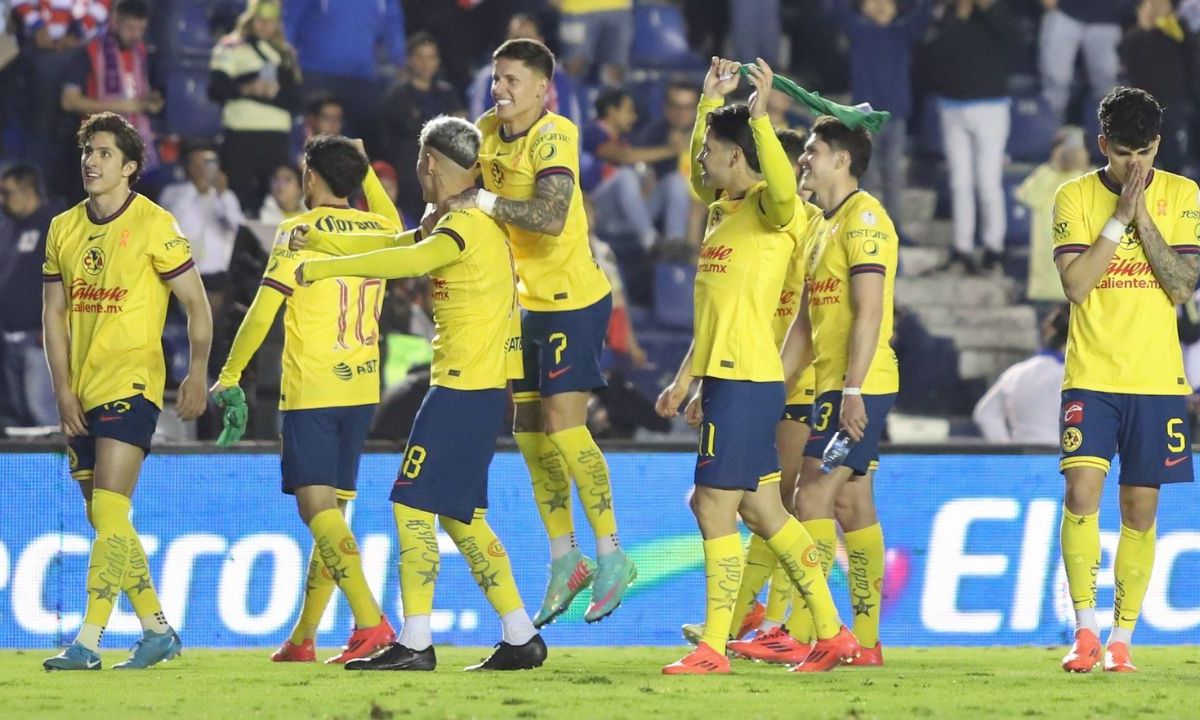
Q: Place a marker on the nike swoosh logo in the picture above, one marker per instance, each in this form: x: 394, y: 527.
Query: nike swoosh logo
x: 1172, y: 462
x: 817, y: 437
x: 402, y: 482
x: 702, y: 463
x: 93, y: 663
x: 556, y: 373
x: 108, y: 418
x: 96, y: 236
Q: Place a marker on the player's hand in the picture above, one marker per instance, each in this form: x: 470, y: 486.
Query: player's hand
x: 465, y: 200
x: 71, y: 417
x: 300, y: 279
x: 694, y: 412
x: 193, y: 401
x: 670, y: 399
x: 298, y: 237
x: 722, y: 78
x: 430, y: 219
x: 761, y: 77
x: 1133, y: 195
x: 853, y: 419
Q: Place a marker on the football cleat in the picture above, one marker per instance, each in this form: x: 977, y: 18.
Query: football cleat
x: 771, y: 646
x: 692, y: 632
x: 569, y: 575
x: 289, y: 651
x: 701, y: 661
x: 615, y: 574
x: 151, y: 649
x: 515, y: 657
x: 1085, y: 653
x: 1116, y: 658
x: 868, y: 657
x: 397, y: 657
x: 364, y: 642
x: 827, y: 654
x: 74, y: 657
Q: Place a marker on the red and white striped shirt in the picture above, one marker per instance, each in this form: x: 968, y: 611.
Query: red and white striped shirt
x: 60, y: 17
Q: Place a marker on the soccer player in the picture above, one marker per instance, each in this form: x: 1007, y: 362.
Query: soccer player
x: 112, y: 262
x: 845, y: 323
x: 476, y: 351
x: 754, y: 226
x: 530, y: 165
x: 1125, y: 243
x: 330, y: 388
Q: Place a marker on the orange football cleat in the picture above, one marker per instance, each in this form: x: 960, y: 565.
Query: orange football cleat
x: 364, y: 642
x: 1085, y: 653
x: 868, y: 657
x: 753, y: 619
x: 291, y: 652
x: 701, y: 661
x: 1116, y: 658
x: 772, y: 646
x: 827, y: 654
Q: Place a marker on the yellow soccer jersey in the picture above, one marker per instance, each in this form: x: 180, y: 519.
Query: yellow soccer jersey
x: 739, y: 279
x: 579, y: 7
x: 804, y: 389
x: 858, y: 238
x: 1123, y: 338
x: 114, y: 272
x: 553, y: 272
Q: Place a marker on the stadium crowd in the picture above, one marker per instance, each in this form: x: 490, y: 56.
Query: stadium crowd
x: 225, y: 93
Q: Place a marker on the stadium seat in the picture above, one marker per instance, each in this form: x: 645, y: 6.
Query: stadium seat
x: 673, y: 294
x: 1033, y: 128
x: 189, y: 112
x: 1017, y: 232
x: 660, y: 38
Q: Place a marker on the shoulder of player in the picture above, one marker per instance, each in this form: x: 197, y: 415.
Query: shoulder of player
x: 1182, y: 187
x: 1076, y: 186
x: 487, y: 122
x: 863, y: 211
x: 74, y: 214
x: 550, y: 127
x: 469, y: 227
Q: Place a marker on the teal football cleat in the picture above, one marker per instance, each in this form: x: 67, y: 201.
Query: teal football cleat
x: 569, y: 575
x: 617, y: 572
x: 74, y: 657
x: 152, y: 649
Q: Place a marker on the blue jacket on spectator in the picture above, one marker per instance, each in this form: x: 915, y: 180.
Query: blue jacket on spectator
x: 881, y: 55
x: 339, y: 37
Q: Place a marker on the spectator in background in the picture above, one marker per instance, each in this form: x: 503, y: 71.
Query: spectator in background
x: 1023, y: 405
x: 22, y: 250
x: 286, y: 198
x: 1160, y: 57
x: 1067, y: 26
x: 407, y: 106
x: 880, y: 55
x: 561, y: 97
x: 1068, y: 160
x: 671, y: 199
x: 617, y: 197
x: 255, y: 76
x: 974, y: 112
x: 596, y: 33
x: 337, y: 44
x: 755, y: 30
x: 113, y: 75
x: 322, y: 116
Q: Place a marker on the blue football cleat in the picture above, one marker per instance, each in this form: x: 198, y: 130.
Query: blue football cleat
x: 75, y: 657
x: 152, y: 649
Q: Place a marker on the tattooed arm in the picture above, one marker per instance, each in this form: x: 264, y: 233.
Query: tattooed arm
x: 544, y: 213
x: 1177, y: 274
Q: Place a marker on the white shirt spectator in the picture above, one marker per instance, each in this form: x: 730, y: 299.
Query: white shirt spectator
x: 209, y: 220
x: 1023, y: 405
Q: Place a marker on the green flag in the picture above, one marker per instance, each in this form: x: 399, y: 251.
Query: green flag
x: 851, y: 117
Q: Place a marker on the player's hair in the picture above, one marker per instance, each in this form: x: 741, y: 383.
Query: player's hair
x: 337, y: 161
x: 792, y: 142
x: 529, y: 18
x: 839, y: 137
x: 1060, y: 323
x: 317, y: 102
x: 1130, y: 117
x: 453, y: 137
x: 133, y: 9
x: 191, y: 145
x: 419, y: 38
x: 533, y: 53
x: 731, y: 123
x: 129, y: 140
x: 25, y: 175
x: 609, y: 99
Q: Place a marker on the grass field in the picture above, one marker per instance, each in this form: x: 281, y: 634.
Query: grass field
x: 605, y: 683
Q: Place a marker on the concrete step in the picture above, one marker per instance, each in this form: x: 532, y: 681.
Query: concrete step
x: 956, y: 291
x: 930, y: 233
x: 987, y: 364
x: 917, y: 205
x: 1004, y: 328
x: 921, y: 259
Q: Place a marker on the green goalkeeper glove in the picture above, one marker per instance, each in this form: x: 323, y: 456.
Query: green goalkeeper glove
x: 232, y: 402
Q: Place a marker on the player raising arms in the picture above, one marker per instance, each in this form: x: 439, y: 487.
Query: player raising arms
x: 754, y: 225
x: 530, y: 164
x: 476, y: 351
x: 330, y: 388
x: 112, y: 262
x: 1125, y: 242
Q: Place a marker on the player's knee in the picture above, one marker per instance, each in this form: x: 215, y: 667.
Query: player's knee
x: 1139, y: 506
x: 1082, y: 499
x: 527, y: 417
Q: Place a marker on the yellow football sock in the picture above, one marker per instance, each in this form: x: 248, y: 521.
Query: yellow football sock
x: 109, y: 560
x: 551, y: 483
x: 139, y: 587
x: 487, y: 559
x: 801, y: 558
x: 865, y: 550
x: 1131, y: 574
x: 779, y: 597
x: 1079, y: 536
x: 723, y: 573
x: 339, y: 551
x: 824, y: 534
x: 760, y: 561
x: 587, y: 465
x: 420, y: 559
x: 318, y: 588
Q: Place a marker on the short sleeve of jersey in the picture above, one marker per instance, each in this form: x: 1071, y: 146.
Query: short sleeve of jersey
x: 554, y: 150
x: 51, y: 272
x: 169, y: 250
x: 869, y: 243
x: 1069, y: 232
x: 1185, y: 237
x: 281, y: 267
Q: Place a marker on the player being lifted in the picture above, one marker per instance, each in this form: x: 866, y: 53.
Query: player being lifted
x: 1125, y: 243
x: 530, y: 165
x: 754, y: 225
x: 330, y: 388
x: 112, y: 262
x: 476, y: 351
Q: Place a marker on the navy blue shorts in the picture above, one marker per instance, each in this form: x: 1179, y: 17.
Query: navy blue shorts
x: 445, y: 466
x: 1151, y: 432
x: 321, y: 446
x: 864, y: 456
x: 131, y: 420
x: 737, y: 438
x: 561, y: 350
x: 798, y: 412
